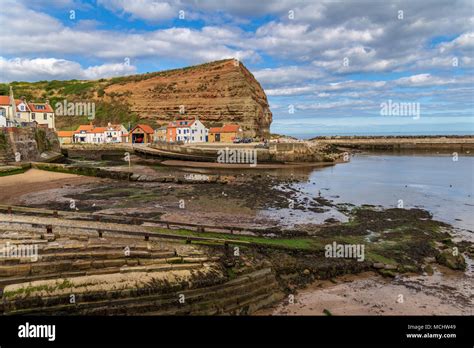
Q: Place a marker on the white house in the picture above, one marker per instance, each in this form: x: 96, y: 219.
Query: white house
x: 191, y: 131
x: 95, y: 135
x: 3, y: 117
x: 113, y: 133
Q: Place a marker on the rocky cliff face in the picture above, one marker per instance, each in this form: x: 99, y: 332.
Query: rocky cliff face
x: 32, y: 144
x: 218, y: 92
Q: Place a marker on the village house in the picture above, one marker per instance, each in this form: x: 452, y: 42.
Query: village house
x: 187, y: 131
x: 141, y: 134
x: 42, y: 113
x: 225, y: 134
x: 96, y: 135
x: 16, y: 111
x: 112, y: 133
x: 65, y: 137
x: 116, y: 133
x: 160, y: 134
x: 4, y: 103
x: 19, y: 112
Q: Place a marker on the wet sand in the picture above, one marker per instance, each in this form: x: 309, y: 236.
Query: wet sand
x: 12, y: 187
x: 444, y: 293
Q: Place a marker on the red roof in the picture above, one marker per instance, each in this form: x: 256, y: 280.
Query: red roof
x: 4, y: 100
x: 34, y: 107
x: 115, y: 127
x: 227, y: 128
x: 84, y: 127
x: 64, y: 134
x: 98, y: 130
x: 146, y: 128
x: 230, y: 128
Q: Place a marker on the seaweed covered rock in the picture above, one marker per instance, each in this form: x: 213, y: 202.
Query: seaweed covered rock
x: 452, y: 259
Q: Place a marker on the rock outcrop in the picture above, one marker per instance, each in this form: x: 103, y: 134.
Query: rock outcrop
x: 217, y: 92
x: 28, y: 143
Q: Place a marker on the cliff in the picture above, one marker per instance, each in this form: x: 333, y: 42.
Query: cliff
x: 217, y: 92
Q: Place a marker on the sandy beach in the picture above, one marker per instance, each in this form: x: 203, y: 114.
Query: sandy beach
x: 14, y: 186
x: 446, y: 292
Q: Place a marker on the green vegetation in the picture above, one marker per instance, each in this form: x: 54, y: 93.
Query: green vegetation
x: 3, y: 141
x: 327, y: 312
x: 42, y: 140
x: 305, y: 243
x: 5, y: 171
x: 28, y: 290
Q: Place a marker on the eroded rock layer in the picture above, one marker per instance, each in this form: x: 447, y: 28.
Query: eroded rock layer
x: 218, y: 92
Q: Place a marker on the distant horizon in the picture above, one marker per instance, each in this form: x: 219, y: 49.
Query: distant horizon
x: 306, y: 136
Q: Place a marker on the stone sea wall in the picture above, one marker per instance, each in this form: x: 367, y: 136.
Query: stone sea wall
x: 32, y: 144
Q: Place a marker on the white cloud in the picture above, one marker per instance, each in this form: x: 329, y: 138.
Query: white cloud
x: 22, y: 69
x: 285, y: 91
x: 150, y: 10
x: 290, y: 74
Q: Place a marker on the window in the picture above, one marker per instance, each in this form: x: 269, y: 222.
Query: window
x: 45, y: 116
x: 33, y: 116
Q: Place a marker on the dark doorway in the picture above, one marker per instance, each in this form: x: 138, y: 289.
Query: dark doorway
x: 138, y: 138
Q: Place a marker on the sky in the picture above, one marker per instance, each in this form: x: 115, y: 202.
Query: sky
x: 327, y: 67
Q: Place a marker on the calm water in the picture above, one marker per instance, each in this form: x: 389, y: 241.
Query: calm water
x: 436, y: 183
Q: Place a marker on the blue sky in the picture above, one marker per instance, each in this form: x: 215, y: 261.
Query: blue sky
x: 326, y: 66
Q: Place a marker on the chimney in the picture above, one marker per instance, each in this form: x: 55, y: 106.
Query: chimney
x: 109, y: 124
x: 47, y: 101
